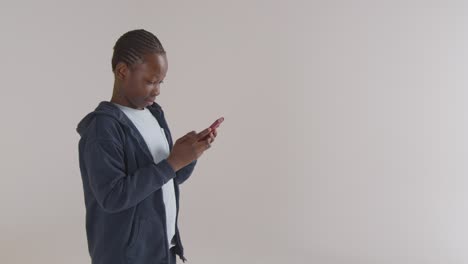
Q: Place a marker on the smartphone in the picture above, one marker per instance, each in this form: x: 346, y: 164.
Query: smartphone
x: 213, y: 127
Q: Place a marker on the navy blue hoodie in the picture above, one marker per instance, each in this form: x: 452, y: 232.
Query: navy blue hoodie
x: 125, y: 213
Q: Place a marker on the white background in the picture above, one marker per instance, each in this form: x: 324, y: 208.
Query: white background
x: 343, y: 140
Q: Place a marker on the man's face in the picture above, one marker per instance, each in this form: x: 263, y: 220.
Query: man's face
x: 141, y: 83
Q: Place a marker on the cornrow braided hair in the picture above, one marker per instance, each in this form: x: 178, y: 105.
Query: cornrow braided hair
x: 131, y: 47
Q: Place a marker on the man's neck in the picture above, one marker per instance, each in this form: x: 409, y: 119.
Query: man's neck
x: 121, y: 100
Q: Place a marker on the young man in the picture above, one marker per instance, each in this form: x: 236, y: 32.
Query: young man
x: 131, y: 170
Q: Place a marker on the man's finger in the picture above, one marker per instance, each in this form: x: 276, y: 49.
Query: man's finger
x: 210, y: 140
x: 190, y: 134
x: 208, y: 144
x: 203, y: 133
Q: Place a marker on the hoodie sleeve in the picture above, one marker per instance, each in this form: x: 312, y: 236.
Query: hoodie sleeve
x: 115, y: 189
x: 185, y: 172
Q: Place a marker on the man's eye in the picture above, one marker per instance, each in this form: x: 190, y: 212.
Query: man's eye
x: 155, y: 82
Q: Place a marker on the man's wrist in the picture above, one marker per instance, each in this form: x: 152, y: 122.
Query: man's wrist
x: 175, y: 166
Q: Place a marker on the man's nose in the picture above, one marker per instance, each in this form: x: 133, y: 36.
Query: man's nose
x: 156, y: 91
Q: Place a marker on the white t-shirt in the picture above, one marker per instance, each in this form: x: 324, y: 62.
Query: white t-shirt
x: 154, y: 136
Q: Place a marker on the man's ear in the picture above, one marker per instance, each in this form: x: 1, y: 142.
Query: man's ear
x: 121, y: 71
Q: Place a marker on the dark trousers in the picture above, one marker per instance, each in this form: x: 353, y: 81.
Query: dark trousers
x: 172, y: 256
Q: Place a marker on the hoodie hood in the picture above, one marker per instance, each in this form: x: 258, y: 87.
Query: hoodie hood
x: 109, y: 109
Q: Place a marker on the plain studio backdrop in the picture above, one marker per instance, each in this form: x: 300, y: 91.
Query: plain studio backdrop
x: 343, y: 140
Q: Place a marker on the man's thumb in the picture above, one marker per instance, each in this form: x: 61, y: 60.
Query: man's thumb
x: 188, y: 135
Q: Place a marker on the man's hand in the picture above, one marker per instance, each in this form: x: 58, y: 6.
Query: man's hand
x: 190, y: 147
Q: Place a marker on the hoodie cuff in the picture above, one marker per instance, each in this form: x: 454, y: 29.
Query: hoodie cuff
x: 169, y: 172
